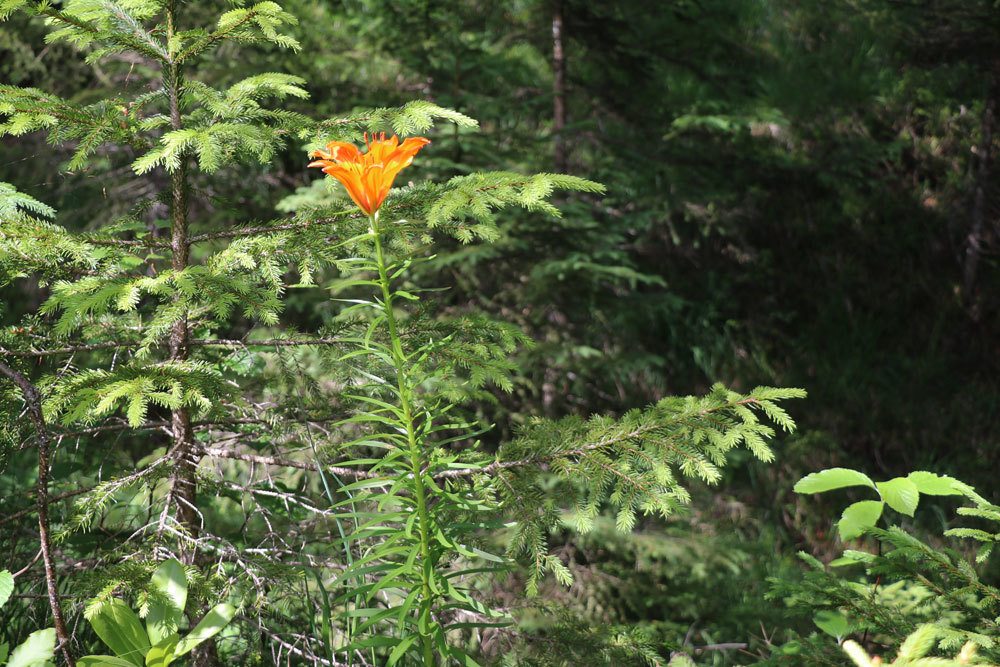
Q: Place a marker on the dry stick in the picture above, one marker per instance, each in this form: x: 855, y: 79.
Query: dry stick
x: 51, y: 499
x: 315, y: 659
x: 88, y: 347
x: 154, y: 425
x: 34, y: 403
x: 215, y: 452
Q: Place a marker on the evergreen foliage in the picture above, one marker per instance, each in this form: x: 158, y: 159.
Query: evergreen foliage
x: 350, y: 453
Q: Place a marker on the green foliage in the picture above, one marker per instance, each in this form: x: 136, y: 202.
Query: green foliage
x: 35, y: 651
x: 158, y: 644
x: 315, y: 428
x: 89, y: 126
x: 31, y: 245
x: 914, y: 651
x: 573, y: 642
x: 90, y: 395
x: 432, y: 495
x: 947, y: 604
x: 38, y: 650
x: 479, y: 195
x: 901, y: 494
x: 257, y: 24
x: 636, y: 463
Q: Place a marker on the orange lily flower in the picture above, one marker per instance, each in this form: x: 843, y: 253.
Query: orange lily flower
x: 368, y: 176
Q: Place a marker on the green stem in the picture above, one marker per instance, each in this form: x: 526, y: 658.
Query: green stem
x: 416, y: 456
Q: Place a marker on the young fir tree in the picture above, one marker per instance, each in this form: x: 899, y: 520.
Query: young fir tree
x: 330, y: 482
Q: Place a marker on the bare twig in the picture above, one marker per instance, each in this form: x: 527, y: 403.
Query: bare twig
x: 285, y: 463
x: 155, y: 425
x: 52, y: 499
x: 89, y: 347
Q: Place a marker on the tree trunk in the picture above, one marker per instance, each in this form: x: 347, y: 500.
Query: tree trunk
x: 183, y: 481
x: 183, y: 485
x: 980, y: 201
x: 558, y: 89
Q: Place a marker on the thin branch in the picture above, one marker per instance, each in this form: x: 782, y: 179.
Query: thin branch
x: 315, y: 659
x: 129, y: 243
x: 286, y: 463
x: 264, y: 229
x: 156, y: 425
x: 52, y: 499
x: 198, y: 342
x: 34, y: 402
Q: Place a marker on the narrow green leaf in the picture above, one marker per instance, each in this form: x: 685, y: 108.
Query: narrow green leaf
x: 120, y: 628
x: 488, y: 556
x: 367, y: 484
x: 164, y: 617
x: 216, y: 619
x: 400, y: 650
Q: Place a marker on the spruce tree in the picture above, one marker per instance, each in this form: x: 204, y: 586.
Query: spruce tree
x: 331, y: 483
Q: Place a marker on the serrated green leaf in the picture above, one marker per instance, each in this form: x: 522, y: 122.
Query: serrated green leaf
x: 6, y: 586
x: 900, y: 494
x: 37, y: 650
x: 859, y: 517
x: 832, y: 478
x: 934, y: 485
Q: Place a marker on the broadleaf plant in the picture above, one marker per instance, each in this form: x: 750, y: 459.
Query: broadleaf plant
x: 38, y: 650
x: 159, y: 642
x: 901, y: 494
x: 924, y: 597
